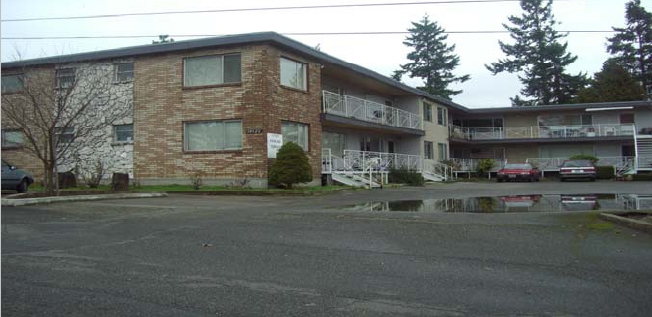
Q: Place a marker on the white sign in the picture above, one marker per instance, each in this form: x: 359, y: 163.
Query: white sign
x: 274, y: 143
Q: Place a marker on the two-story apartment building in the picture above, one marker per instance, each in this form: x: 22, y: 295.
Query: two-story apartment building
x: 619, y: 133
x: 206, y: 106
x: 209, y: 106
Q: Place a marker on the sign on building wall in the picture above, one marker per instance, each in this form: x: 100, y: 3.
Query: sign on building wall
x: 274, y: 143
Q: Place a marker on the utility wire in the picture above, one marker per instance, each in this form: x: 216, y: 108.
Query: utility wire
x: 296, y: 34
x: 99, y: 16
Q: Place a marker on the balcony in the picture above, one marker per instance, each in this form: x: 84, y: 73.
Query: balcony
x: 369, y: 111
x: 552, y: 132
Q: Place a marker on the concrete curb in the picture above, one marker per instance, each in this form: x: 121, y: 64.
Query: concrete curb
x: 632, y: 223
x: 48, y: 200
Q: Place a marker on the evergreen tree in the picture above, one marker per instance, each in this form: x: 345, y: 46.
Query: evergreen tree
x: 290, y: 167
x: 632, y: 45
x: 538, y: 57
x: 612, y: 83
x: 431, y: 59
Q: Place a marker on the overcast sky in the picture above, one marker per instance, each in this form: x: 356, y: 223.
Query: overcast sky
x: 381, y: 53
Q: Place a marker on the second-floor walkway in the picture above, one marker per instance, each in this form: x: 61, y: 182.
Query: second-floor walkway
x: 542, y: 132
x: 369, y: 111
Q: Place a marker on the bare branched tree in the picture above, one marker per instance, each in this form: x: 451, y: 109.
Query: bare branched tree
x: 64, y: 113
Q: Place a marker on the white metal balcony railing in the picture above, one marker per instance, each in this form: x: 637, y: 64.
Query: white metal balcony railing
x: 489, y: 133
x: 363, y: 161
x: 554, y: 163
x: 369, y: 111
x: 544, y: 164
x: 471, y: 165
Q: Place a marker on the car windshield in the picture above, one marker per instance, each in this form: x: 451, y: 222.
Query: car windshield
x: 517, y: 166
x: 577, y: 163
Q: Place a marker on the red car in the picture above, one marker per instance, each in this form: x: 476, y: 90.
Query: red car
x: 521, y: 171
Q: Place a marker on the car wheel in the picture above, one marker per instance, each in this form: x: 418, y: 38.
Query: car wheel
x: 561, y: 179
x: 536, y: 179
x: 499, y: 180
x: 22, y: 186
x: 592, y: 179
x: 530, y: 179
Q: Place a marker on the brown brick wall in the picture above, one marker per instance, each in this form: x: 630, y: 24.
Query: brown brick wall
x: 43, y: 78
x: 161, y: 105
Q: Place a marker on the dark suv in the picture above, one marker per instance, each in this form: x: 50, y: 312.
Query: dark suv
x: 577, y: 169
x: 14, y: 178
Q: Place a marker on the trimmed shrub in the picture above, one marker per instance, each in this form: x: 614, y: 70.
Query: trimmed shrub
x: 642, y: 177
x: 584, y: 157
x: 484, y: 166
x: 405, y: 176
x: 604, y: 172
x: 291, y: 167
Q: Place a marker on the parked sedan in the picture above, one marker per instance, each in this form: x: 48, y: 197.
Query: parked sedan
x: 523, y: 171
x: 14, y: 178
x: 577, y: 169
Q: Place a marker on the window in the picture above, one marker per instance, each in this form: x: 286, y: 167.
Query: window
x: 565, y: 150
x: 124, y: 72
x: 295, y: 132
x: 428, y: 152
x: 427, y: 112
x: 12, y: 83
x: 65, y: 77
x: 626, y: 118
x: 442, y: 151
x: 293, y: 74
x: 213, y: 135
x: 442, y: 116
x: 65, y: 135
x: 123, y: 133
x: 334, y: 141
x: 553, y: 120
x: 211, y: 70
x: 12, y: 138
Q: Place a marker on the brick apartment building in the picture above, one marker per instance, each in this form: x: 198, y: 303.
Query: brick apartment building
x: 207, y: 106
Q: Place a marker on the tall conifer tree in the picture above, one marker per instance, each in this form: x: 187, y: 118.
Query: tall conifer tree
x: 539, y: 58
x: 632, y: 45
x: 431, y: 59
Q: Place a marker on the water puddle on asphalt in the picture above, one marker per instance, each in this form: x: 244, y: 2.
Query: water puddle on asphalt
x: 520, y: 203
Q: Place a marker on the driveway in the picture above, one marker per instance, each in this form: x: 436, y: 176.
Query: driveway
x: 302, y: 256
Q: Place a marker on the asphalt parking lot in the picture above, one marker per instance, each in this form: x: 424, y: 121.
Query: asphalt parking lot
x: 190, y: 255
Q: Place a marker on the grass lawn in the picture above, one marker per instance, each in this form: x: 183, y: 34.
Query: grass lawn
x: 186, y: 188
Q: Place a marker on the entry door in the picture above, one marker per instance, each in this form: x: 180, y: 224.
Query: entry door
x: 628, y: 150
x: 365, y: 144
x: 390, y: 146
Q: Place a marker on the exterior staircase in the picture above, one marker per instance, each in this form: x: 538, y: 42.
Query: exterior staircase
x: 643, y: 152
x: 433, y: 177
x: 370, y: 169
x: 355, y: 180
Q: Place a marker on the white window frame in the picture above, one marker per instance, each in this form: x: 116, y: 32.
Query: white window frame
x: 20, y: 80
x: 288, y: 124
x: 118, y: 72
x: 442, y: 151
x: 442, y: 116
x: 427, y: 112
x: 221, y: 61
x: 72, y: 77
x: 6, y: 144
x: 129, y: 139
x: 428, y: 150
x: 224, y: 131
x: 298, y: 71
